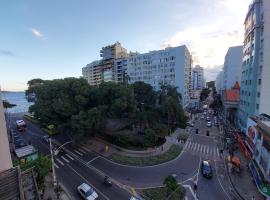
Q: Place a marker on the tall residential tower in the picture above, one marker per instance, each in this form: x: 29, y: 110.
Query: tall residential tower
x: 255, y: 82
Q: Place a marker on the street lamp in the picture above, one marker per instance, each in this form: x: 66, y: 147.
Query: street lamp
x: 55, y: 152
x: 53, y: 169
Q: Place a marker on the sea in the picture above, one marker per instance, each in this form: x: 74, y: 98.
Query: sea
x: 18, y: 98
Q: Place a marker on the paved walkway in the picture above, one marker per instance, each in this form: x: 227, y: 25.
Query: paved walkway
x: 106, y: 149
x: 50, y: 194
x: 243, y: 182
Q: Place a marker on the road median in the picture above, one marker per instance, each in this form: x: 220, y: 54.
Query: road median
x: 170, y: 154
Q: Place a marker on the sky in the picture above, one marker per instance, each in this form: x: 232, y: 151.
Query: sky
x: 55, y: 39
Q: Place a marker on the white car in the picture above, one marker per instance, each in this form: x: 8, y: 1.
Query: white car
x: 209, y: 124
x: 87, y: 192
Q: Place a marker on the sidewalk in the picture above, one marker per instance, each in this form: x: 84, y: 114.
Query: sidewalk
x: 106, y: 149
x: 243, y: 182
x: 50, y: 194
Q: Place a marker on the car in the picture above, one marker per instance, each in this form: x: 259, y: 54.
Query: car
x: 46, y: 138
x: 202, y: 117
x: 206, y: 169
x: 207, y: 118
x: 190, y: 124
x: 87, y: 192
x: 209, y: 124
x: 19, y: 143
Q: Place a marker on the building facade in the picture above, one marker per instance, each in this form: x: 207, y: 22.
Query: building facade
x: 258, y: 143
x: 5, y: 157
x: 197, y: 78
x: 219, y: 83
x: 171, y: 66
x: 255, y: 81
x: 232, y: 68
x: 106, y: 69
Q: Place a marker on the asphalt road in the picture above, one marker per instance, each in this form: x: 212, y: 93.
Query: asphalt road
x: 71, y: 169
x: 87, y: 166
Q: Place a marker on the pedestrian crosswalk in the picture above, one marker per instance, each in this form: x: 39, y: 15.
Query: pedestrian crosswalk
x: 203, y: 150
x: 63, y: 159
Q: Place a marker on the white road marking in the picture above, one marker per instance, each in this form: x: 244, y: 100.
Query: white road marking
x: 188, y: 144
x: 198, y: 147
x: 218, y: 152
x: 78, y: 152
x: 92, y: 160
x: 55, y: 165
x: 65, y: 159
x: 207, y: 149
x: 60, y: 161
x: 88, y: 183
x: 86, y: 149
x: 204, y: 149
x: 81, y: 150
x: 69, y: 156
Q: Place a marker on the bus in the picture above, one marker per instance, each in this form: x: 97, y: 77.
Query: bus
x: 21, y: 125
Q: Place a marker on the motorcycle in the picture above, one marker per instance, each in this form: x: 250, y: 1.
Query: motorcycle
x: 107, y: 181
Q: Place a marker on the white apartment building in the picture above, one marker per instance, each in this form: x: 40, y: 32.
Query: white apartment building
x: 232, y: 68
x: 219, y: 82
x: 170, y: 66
x: 255, y: 81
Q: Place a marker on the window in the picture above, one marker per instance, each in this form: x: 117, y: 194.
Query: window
x: 258, y: 94
x: 257, y: 106
x: 259, y: 81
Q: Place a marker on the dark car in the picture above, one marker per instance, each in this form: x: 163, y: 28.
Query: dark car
x: 20, y: 143
x: 206, y: 169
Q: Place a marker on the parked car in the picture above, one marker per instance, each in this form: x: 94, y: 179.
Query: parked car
x: 202, y: 117
x: 87, y: 192
x: 207, y: 118
x: 19, y: 143
x: 206, y: 169
x: 209, y: 124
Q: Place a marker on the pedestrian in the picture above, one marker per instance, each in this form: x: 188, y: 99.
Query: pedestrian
x: 253, y: 198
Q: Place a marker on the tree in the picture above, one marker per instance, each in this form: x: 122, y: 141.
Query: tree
x: 6, y: 104
x: 170, y: 183
x: 204, y: 94
x: 58, y: 100
x: 150, y: 137
x: 42, y: 167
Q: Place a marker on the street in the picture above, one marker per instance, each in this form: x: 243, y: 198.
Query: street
x: 75, y: 166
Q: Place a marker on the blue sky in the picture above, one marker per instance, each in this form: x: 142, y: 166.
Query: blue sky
x: 55, y: 39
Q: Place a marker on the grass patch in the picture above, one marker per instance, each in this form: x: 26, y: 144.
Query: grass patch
x: 163, y: 193
x: 172, y: 153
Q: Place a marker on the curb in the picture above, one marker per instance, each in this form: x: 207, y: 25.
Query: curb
x: 136, y: 166
x: 65, y: 191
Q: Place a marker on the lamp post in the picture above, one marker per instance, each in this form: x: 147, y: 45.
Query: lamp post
x: 53, y: 169
x: 55, y: 152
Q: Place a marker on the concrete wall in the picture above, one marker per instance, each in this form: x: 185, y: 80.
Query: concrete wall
x: 5, y: 158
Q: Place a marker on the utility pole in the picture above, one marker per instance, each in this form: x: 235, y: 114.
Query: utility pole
x: 53, y: 169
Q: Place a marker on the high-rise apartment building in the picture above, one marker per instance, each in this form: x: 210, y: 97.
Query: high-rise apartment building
x: 197, y: 78
x: 219, y: 82
x: 255, y: 81
x: 232, y: 68
x: 106, y: 68
x: 171, y: 66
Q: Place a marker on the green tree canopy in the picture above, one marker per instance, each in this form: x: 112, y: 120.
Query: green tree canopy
x: 6, y: 104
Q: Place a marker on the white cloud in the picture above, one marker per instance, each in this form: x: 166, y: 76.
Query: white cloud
x: 208, y: 37
x: 37, y: 33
